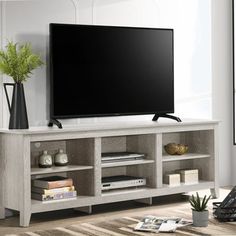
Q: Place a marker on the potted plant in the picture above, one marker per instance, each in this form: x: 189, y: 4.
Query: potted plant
x: 199, y: 210
x: 18, y: 62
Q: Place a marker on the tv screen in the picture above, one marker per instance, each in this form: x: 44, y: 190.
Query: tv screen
x: 110, y: 70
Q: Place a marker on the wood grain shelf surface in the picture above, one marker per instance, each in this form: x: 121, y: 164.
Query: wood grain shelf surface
x: 58, y: 169
x: 126, y: 163
x: 201, y: 184
x: 188, y: 156
x: 40, y: 206
x: 159, y: 191
x: 125, y: 191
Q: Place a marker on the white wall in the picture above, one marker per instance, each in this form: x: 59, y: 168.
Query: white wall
x: 191, y: 21
x: 222, y: 81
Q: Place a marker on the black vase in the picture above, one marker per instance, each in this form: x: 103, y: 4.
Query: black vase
x: 17, y: 108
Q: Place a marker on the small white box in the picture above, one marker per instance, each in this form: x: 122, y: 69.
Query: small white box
x: 172, y: 179
x: 188, y: 176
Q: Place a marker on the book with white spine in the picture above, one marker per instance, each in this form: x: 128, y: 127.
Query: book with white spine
x: 56, y: 196
x: 51, y: 191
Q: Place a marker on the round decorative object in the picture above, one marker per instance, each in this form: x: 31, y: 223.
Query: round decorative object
x: 176, y: 149
x: 171, y: 148
x: 61, y: 159
x: 45, y: 160
x: 182, y: 148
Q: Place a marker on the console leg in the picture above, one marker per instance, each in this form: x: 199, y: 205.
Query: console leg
x: 215, y: 193
x: 157, y: 116
x: 2, y: 213
x: 86, y: 209
x: 25, y: 219
x: 147, y: 201
x: 55, y: 122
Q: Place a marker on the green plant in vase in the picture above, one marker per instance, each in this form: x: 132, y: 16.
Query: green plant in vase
x: 199, y: 210
x: 18, y: 62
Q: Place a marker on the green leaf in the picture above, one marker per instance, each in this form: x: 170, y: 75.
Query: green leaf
x: 18, y: 61
x: 197, y: 203
x: 203, y: 206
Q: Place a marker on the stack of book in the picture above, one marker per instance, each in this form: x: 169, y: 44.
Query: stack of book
x: 53, y: 188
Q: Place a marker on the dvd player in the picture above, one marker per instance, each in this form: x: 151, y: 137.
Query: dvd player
x: 121, y: 156
x: 122, y: 181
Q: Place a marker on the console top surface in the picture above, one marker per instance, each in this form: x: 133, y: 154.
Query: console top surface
x: 103, y: 126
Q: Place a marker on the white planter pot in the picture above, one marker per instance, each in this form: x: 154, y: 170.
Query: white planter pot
x: 200, y: 218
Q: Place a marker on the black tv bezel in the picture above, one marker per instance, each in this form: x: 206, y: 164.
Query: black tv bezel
x: 52, y: 116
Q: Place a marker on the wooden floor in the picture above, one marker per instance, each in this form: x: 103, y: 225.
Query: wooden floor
x: 65, y: 218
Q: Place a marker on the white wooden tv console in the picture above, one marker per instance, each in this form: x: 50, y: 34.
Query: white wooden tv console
x: 19, y: 151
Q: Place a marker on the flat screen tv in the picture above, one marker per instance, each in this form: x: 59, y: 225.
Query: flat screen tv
x: 110, y: 71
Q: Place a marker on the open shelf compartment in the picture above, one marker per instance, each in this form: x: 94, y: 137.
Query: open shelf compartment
x: 79, y: 151
x: 81, y: 156
x: 144, y: 144
x: 200, y: 143
x: 205, y: 167
x: 199, y: 156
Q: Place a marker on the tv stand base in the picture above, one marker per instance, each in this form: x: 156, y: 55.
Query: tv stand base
x: 55, y: 122
x: 157, y: 116
x: 84, y: 145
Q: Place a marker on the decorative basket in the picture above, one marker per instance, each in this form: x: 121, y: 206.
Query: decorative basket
x: 224, y: 213
x: 176, y: 149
